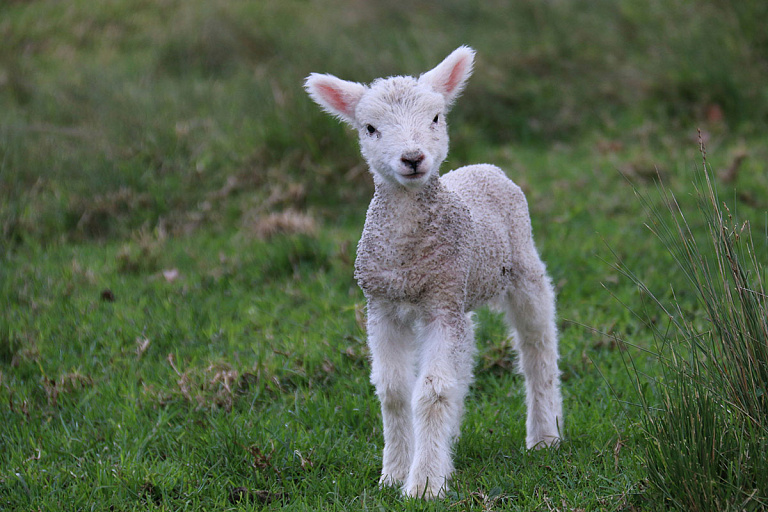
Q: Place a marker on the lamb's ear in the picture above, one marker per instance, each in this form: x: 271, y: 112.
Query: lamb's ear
x: 338, y: 97
x: 449, y: 77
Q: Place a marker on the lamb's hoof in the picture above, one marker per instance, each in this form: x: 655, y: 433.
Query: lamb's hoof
x: 543, y: 442
x: 388, y: 480
x: 426, y: 490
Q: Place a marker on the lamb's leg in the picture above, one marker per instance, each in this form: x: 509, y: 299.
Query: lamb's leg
x: 393, y: 360
x: 444, y: 377
x: 531, y: 309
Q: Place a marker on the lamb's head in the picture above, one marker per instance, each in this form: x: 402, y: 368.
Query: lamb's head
x: 400, y: 120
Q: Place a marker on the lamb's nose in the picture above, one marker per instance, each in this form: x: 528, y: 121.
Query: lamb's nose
x: 412, y: 159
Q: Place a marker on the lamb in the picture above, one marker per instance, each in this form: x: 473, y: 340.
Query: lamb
x: 434, y: 249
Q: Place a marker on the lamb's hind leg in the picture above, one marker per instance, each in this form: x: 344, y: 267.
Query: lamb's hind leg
x: 531, y: 310
x: 393, y: 360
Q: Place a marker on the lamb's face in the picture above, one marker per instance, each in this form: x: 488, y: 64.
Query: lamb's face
x: 401, y: 120
x: 402, y: 129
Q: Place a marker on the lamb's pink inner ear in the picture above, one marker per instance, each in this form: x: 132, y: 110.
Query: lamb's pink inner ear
x: 449, y: 77
x: 335, y: 98
x: 455, y: 78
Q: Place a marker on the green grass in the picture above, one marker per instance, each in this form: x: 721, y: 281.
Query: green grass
x: 180, y: 328
x: 709, y: 416
x: 237, y: 364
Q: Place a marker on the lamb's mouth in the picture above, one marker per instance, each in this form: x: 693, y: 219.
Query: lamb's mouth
x: 414, y: 175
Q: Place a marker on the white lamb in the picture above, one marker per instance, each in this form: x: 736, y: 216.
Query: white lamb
x: 433, y: 249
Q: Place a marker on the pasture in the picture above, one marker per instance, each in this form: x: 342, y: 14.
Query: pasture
x: 179, y: 323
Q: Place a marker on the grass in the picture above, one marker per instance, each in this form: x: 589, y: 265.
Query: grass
x: 712, y: 416
x: 180, y: 328
x: 181, y: 391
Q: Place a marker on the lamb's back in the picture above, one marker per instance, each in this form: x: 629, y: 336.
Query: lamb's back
x: 502, y: 233
x: 490, y: 195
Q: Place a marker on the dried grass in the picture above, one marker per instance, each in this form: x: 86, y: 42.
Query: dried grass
x: 288, y: 222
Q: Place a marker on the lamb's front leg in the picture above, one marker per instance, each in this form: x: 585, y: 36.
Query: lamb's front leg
x: 444, y: 377
x: 393, y: 361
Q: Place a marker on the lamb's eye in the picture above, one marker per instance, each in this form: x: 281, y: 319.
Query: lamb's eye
x: 436, y: 119
x: 371, y: 130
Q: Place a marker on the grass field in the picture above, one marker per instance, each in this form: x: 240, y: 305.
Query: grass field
x: 179, y: 324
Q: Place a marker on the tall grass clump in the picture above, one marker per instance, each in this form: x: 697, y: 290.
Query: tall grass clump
x: 705, y: 416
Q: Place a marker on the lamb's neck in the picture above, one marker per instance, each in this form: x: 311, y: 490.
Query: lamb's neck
x: 408, y: 201
x: 405, y: 216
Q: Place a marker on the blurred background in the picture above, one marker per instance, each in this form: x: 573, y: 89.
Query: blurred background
x: 121, y: 114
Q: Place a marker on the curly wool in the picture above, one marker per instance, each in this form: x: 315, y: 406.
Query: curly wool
x: 471, y: 225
